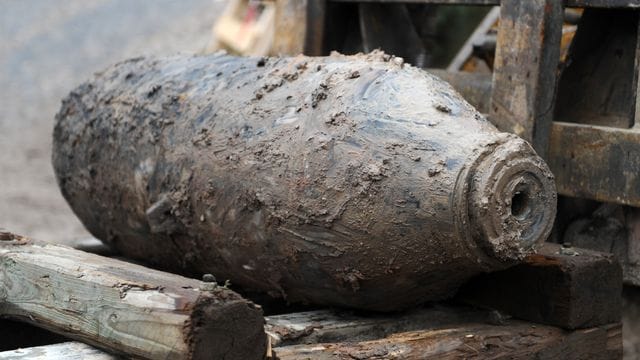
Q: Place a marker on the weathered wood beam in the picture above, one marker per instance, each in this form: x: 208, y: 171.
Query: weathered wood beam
x: 566, y: 287
x: 525, y: 69
x: 125, y: 308
x: 512, y: 340
x: 299, y: 27
x: 72, y: 350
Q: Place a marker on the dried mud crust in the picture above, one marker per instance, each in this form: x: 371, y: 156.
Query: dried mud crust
x: 342, y: 180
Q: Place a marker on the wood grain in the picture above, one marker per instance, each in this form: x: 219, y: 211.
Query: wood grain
x: 566, y: 287
x: 125, y: 308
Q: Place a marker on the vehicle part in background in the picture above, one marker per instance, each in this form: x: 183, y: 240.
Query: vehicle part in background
x: 245, y: 28
x: 355, y: 181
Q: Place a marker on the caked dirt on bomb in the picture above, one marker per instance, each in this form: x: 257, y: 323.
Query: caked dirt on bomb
x: 344, y: 180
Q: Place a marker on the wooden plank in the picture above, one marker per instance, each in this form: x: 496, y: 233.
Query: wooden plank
x: 65, y: 351
x: 339, y: 326
x: 525, y: 67
x: 596, y: 162
x: 566, y: 287
x: 512, y: 340
x: 125, y: 308
x: 593, y: 162
x: 290, y: 26
x: 477, y: 37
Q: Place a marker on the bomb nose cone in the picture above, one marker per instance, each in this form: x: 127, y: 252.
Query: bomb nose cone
x: 512, y: 200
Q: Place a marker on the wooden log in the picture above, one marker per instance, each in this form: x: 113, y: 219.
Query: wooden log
x: 125, y: 308
x: 598, y: 85
x: 524, y: 76
x: 447, y: 334
x: 474, y: 87
x: 567, y: 287
x: 72, y: 350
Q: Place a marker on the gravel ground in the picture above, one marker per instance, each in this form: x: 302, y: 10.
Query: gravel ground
x: 50, y: 46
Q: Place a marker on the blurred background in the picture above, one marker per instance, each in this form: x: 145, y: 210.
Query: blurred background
x: 49, y: 47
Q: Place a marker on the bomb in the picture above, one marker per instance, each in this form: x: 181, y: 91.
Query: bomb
x: 355, y: 181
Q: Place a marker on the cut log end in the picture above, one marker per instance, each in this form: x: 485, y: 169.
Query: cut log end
x: 212, y: 319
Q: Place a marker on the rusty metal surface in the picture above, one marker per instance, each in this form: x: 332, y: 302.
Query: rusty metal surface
x: 355, y: 181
